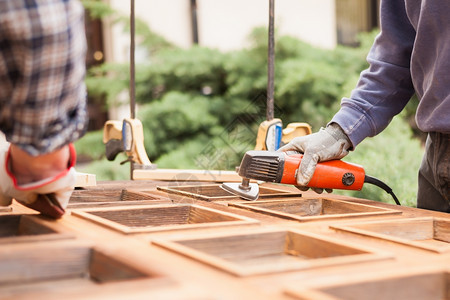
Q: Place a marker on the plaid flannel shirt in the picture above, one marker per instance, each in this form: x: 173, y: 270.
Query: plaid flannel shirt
x: 42, y: 69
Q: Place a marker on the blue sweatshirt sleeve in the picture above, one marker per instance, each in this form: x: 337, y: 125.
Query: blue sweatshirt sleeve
x: 386, y: 86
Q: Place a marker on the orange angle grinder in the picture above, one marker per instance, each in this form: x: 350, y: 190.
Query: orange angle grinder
x: 281, y: 167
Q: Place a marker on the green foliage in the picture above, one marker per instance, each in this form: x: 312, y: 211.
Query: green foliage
x: 97, y: 8
x: 108, y: 80
x: 107, y: 170
x: 201, y: 108
x: 176, y: 119
x: 309, y: 89
x: 90, y: 146
x: 187, y: 70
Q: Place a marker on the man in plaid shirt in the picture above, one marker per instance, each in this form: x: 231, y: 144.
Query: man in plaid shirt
x: 42, y: 100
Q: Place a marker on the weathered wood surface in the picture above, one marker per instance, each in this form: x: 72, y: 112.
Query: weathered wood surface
x: 304, y: 209
x: 235, y: 253
x: 213, y: 192
x: 22, y: 228
x: 85, y: 179
x: 266, y: 252
x: 428, y: 233
x: 151, y: 218
x: 415, y: 285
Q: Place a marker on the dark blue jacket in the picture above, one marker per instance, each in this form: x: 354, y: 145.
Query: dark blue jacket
x: 411, y: 54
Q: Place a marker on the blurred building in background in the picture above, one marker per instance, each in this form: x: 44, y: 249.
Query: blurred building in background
x: 226, y: 24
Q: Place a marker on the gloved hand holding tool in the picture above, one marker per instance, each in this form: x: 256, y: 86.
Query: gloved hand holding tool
x: 50, y: 195
x: 329, y: 143
x: 311, y: 161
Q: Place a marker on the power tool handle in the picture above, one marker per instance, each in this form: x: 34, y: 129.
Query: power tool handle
x: 333, y: 174
x: 112, y: 148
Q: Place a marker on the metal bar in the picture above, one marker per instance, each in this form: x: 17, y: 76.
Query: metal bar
x: 271, y: 63
x: 132, y: 75
x: 132, y: 65
x: 194, y: 21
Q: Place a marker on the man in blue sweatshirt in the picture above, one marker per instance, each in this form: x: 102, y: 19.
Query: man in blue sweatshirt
x: 410, y: 55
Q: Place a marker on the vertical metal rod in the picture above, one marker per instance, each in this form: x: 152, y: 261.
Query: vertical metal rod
x: 132, y: 75
x: 132, y: 65
x: 271, y: 63
x: 194, y: 21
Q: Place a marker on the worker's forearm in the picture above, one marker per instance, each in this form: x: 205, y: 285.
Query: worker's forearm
x: 27, y: 168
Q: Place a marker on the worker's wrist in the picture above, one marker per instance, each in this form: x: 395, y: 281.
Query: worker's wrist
x: 338, y: 133
x: 27, y: 168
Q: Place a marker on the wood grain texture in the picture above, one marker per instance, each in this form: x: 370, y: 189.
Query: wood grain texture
x: 313, y: 209
x: 145, y: 218
x: 441, y: 230
x: 19, y: 263
x: 214, y: 246
x: 213, y: 192
x: 425, y: 285
x: 426, y: 233
x: 103, y: 268
x: 5, y: 209
x: 27, y: 229
x: 270, y: 251
x: 95, y: 196
x: 62, y: 260
x: 85, y: 179
x: 117, y: 203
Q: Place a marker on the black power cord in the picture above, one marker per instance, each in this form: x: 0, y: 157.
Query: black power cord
x: 381, y: 184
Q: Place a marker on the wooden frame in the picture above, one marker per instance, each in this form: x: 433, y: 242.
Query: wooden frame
x: 420, y: 284
x: 70, y: 265
x: 157, y: 218
x: 213, y: 192
x: 78, y: 205
x: 270, y: 251
x: 85, y: 179
x: 16, y: 228
x: 427, y: 233
x: 312, y: 209
x: 119, y: 195
x: 5, y: 209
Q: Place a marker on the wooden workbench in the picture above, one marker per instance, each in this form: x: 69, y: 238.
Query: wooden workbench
x: 134, y: 240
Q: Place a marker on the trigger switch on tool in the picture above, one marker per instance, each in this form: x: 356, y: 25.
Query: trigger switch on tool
x: 348, y: 179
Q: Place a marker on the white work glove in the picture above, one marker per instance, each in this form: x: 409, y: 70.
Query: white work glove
x: 50, y: 196
x: 326, y: 144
